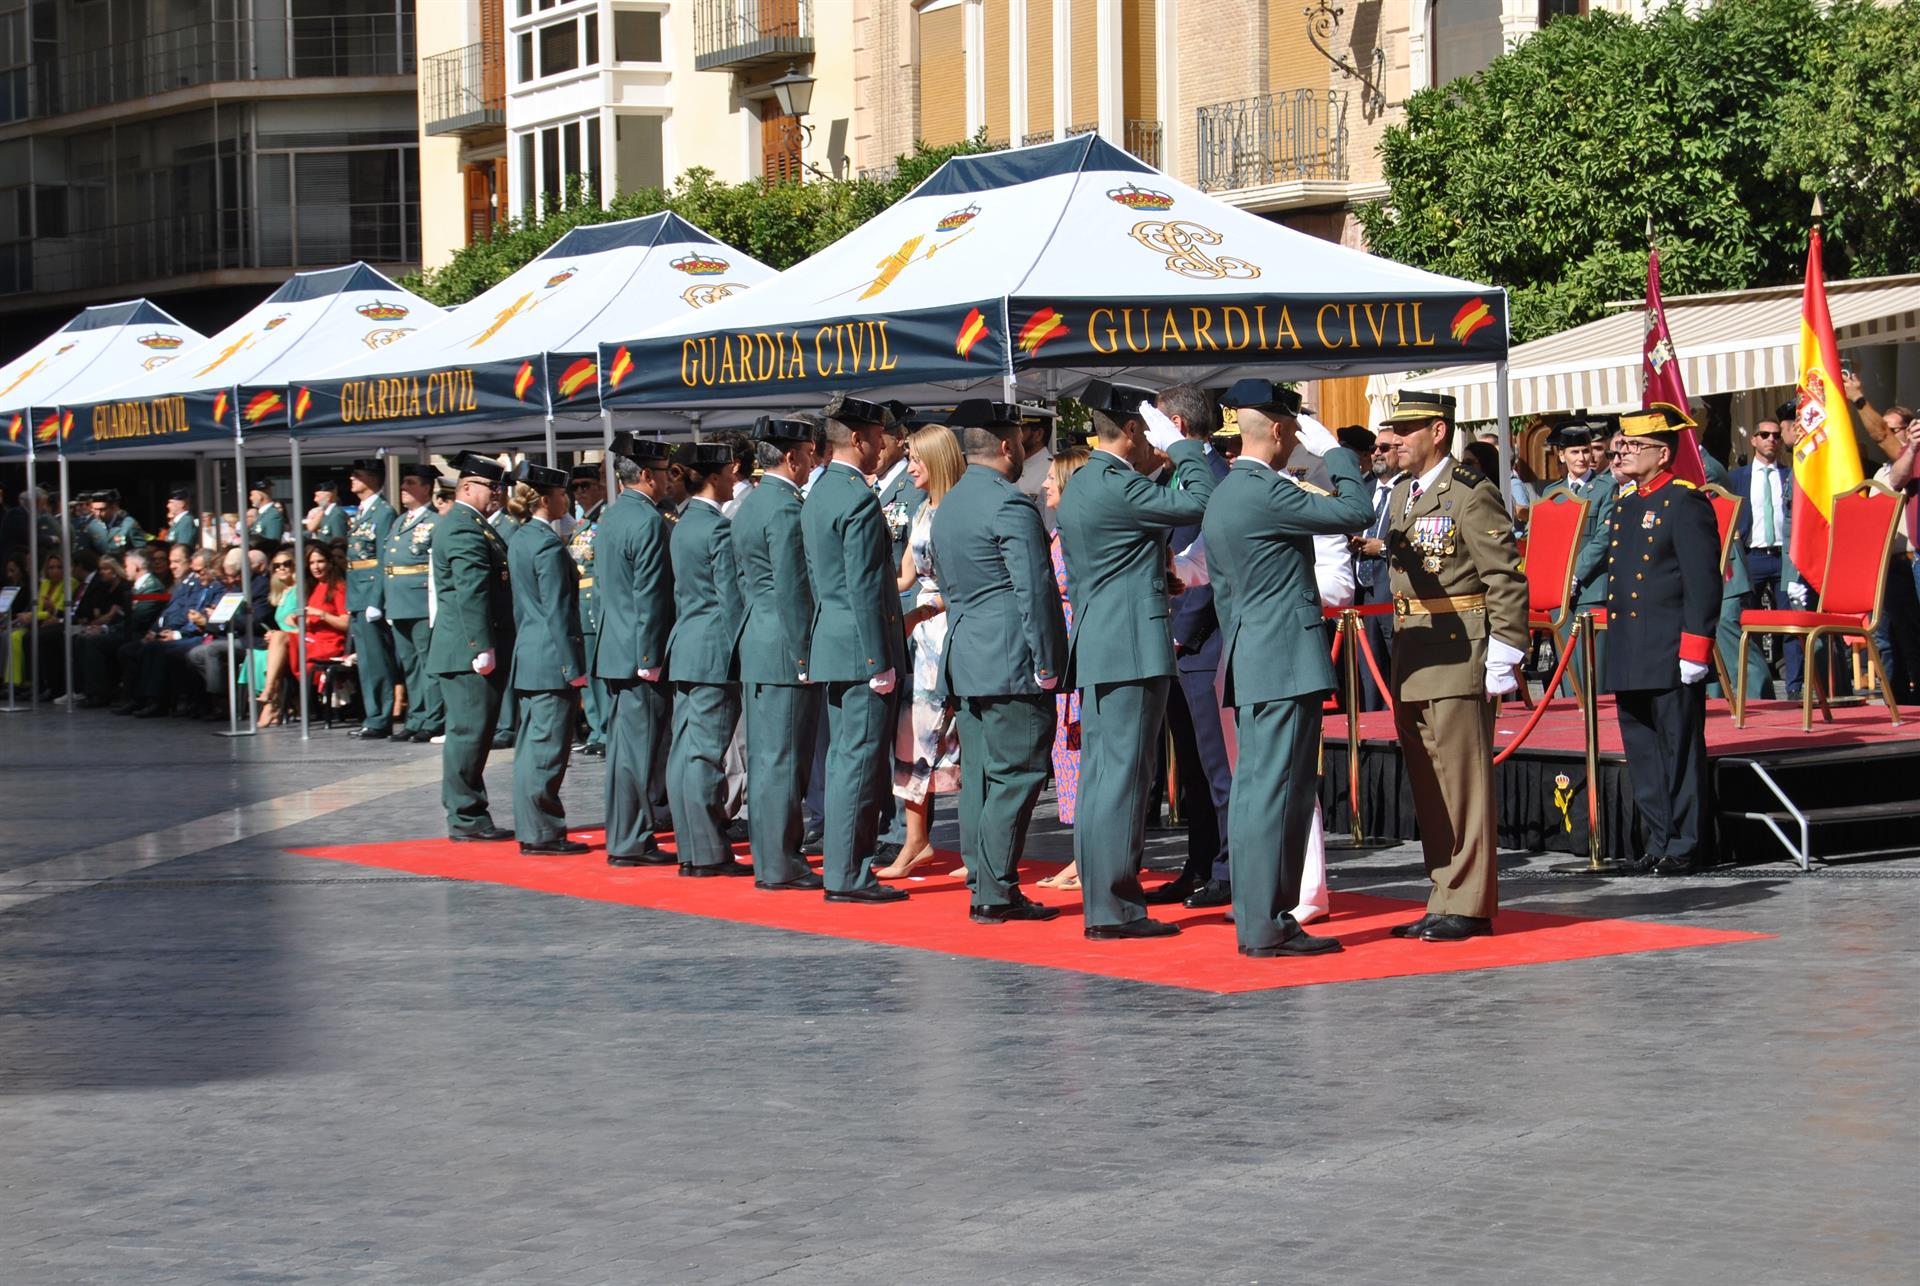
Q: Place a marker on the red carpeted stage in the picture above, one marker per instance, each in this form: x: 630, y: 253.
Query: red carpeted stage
x: 1857, y: 762
x: 1202, y: 958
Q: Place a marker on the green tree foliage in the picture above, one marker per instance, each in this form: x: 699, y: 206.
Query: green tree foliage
x: 1541, y: 173
x: 777, y: 223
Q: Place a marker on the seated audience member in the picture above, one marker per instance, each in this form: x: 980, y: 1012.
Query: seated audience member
x: 44, y: 611
x: 100, y: 611
x: 96, y: 653
x: 204, y: 673
x: 271, y: 662
x: 145, y: 665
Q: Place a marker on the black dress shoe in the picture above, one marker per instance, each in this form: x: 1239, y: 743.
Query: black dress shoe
x: 491, y: 835
x: 1456, y: 928
x: 1021, y: 910
x: 152, y: 710
x: 555, y: 848
x: 736, y: 830
x: 878, y: 893
x: 1212, y: 893
x: 885, y: 853
x: 1132, y: 929
x: 127, y: 707
x: 1673, y: 866
x: 799, y: 883
x: 503, y: 741
x: 1413, y: 928
x: 728, y: 867
x: 810, y: 843
x: 1300, y: 944
x: 1172, y: 892
x: 372, y: 734
x: 399, y: 735
x: 595, y: 748
x: 652, y: 856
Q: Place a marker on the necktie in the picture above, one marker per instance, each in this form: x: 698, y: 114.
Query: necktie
x: 1380, y: 514
x: 1763, y: 521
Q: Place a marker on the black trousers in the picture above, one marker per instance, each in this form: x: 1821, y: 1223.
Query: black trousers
x: 1203, y: 774
x: 1664, y: 733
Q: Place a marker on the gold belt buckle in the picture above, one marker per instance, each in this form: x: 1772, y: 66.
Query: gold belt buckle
x: 1401, y: 606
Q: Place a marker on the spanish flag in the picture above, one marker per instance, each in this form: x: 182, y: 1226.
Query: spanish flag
x: 1827, y: 460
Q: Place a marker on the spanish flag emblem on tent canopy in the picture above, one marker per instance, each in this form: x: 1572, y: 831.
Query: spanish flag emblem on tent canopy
x: 1827, y: 460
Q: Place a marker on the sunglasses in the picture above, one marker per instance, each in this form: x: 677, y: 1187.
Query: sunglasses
x: 283, y: 566
x: 1758, y: 436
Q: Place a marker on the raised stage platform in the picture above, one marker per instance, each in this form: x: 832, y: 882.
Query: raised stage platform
x: 1856, y: 779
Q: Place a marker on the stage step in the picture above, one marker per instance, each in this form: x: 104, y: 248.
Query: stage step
x: 1820, y: 806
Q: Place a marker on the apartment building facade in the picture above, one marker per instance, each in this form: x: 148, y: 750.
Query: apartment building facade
x: 190, y: 149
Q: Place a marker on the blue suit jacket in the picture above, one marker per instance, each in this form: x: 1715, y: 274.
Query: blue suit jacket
x: 1741, y: 479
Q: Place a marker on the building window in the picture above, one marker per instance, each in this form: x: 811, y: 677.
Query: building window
x: 526, y: 70
x: 591, y: 24
x: 639, y: 154
x: 528, y: 183
x: 636, y: 36
x: 555, y: 160
x: 1551, y: 9
x: 1466, y: 37
x: 559, y: 48
x: 942, y: 71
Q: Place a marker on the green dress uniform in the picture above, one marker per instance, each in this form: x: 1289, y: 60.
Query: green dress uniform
x: 1259, y: 530
x: 269, y: 526
x: 474, y: 615
x: 507, y: 724
x: 634, y: 575
x: 405, y: 555
x: 1114, y: 524
x: 184, y: 530
x: 580, y: 547
x: 88, y: 533
x: 1456, y: 583
x: 372, y: 640
x: 1735, y: 587
x: 856, y: 635
x: 547, y: 657
x: 782, y: 709
x: 1005, y: 656
x: 333, y: 526
x: 1661, y: 610
x: 1599, y: 490
x: 123, y: 533
x: 706, y: 693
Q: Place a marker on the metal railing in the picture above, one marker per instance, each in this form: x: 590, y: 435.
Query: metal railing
x: 464, y: 90
x: 221, y: 50
x: 741, y: 33
x: 1143, y: 141
x: 1273, y: 138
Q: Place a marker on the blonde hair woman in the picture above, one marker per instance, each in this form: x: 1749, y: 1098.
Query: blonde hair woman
x: 926, y: 758
x: 1066, y: 732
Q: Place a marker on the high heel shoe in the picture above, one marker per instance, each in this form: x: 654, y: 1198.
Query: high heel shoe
x: 269, y: 716
x: 903, y: 865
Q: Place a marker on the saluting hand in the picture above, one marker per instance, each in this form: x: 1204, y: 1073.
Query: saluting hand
x: 1316, y: 438
x: 1162, y: 432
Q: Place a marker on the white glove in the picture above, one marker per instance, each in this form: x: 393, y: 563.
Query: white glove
x: 651, y: 675
x: 1797, y: 595
x: 1161, y: 431
x: 882, y: 682
x: 483, y: 664
x: 1501, y: 658
x: 577, y: 681
x: 1047, y: 682
x: 375, y: 614
x: 802, y: 676
x: 1692, y: 672
x: 1316, y: 439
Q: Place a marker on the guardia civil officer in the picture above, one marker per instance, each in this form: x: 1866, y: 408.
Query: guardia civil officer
x: 1581, y: 443
x: 268, y: 530
x: 405, y: 558
x: 1259, y: 531
x: 589, y: 489
x: 1005, y: 655
x: 900, y: 498
x: 1663, y: 602
x: 633, y: 574
x: 781, y: 707
x: 1113, y: 524
x: 549, y: 661
x: 182, y: 527
x: 472, y: 647
x: 858, y: 649
x: 122, y: 531
x: 366, y: 618
x: 328, y: 521
x: 1459, y: 628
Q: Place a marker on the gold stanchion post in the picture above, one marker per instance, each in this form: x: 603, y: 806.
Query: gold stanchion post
x: 1582, y: 638
x: 1350, y: 624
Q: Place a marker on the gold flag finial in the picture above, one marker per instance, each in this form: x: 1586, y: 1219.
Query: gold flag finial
x: 1817, y: 211
x: 1649, y: 227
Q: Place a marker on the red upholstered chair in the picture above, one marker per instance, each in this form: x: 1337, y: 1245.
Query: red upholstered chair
x: 1554, y: 531
x: 1859, y: 542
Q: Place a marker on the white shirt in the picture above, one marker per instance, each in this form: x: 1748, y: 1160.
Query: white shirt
x: 885, y: 480
x: 1765, y: 481
x: 708, y: 501
x: 1033, y: 481
x: 778, y: 477
x: 740, y: 492
x: 1124, y: 463
x: 1332, y: 566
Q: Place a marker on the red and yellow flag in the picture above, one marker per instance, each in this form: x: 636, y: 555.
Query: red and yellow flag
x: 1826, y: 461
x: 1660, y: 375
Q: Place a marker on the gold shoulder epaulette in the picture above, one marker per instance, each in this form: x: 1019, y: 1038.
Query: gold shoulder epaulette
x: 1682, y: 482
x: 1472, y: 477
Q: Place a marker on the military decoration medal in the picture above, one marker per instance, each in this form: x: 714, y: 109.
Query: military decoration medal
x: 423, y: 538
x: 898, y: 519
x: 1433, y: 537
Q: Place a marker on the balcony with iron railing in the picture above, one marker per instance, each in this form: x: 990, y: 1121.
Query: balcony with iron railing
x: 740, y: 35
x: 464, y: 91
x: 1273, y: 138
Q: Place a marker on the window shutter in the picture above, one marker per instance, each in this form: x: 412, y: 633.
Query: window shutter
x: 942, y: 77
x: 479, y: 205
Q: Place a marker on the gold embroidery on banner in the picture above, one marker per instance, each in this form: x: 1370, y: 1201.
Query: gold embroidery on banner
x: 1181, y: 240
x: 701, y: 296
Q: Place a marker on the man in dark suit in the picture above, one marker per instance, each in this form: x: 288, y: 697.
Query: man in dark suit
x: 1765, y: 488
x: 1204, y: 770
x: 1371, y: 572
x: 1005, y: 654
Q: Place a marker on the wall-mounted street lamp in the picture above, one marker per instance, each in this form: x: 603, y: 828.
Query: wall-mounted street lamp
x: 793, y: 93
x: 1323, y: 25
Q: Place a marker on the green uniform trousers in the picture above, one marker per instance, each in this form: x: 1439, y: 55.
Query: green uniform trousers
x: 594, y: 698
x: 1726, y: 637
x: 780, y: 723
x: 425, y: 713
x: 1006, y: 751
x: 636, y: 729
x: 472, y: 704
x: 373, y: 659
x: 1119, y: 745
x: 1447, y: 747
x: 540, y: 755
x: 703, y: 719
x: 507, y: 722
x: 1274, y: 786
x: 859, y: 747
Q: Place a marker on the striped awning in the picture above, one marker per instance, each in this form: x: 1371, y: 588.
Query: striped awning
x: 1727, y: 343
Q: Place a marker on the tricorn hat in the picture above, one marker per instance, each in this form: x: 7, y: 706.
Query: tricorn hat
x: 1120, y: 401
x: 782, y: 430
x: 645, y: 451
x: 858, y: 410
x: 539, y: 476
x: 1257, y: 394
x: 471, y: 464
x: 982, y: 413
x: 704, y: 457
x: 586, y: 473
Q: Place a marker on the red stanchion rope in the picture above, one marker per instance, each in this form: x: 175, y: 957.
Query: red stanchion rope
x: 1546, y: 699
x: 1373, y: 666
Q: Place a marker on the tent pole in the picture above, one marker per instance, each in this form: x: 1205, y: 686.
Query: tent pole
x: 1500, y: 405
x: 245, y: 668
x: 606, y: 454
x: 553, y: 446
x: 67, y: 605
x: 300, y: 586
x: 33, y: 574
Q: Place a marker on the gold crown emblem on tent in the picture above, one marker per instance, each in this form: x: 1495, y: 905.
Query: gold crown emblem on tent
x: 381, y: 310
x: 699, y: 265
x: 1138, y: 198
x: 957, y: 219
x: 158, y: 340
x: 560, y: 277
x: 275, y: 321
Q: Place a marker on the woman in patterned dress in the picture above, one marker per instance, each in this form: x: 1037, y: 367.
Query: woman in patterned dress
x: 1066, y: 729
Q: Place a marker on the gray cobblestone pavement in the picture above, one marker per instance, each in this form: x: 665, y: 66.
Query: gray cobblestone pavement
x: 223, y: 1063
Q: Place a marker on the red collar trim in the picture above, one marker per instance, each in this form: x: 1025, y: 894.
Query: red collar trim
x: 1654, y: 483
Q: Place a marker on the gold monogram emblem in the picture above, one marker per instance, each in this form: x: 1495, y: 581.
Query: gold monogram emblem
x: 701, y: 296
x: 1181, y: 242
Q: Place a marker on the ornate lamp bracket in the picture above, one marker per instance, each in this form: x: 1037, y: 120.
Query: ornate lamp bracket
x: 1323, y: 26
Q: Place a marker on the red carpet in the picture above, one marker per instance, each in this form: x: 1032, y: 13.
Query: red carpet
x: 1771, y: 725
x: 1202, y: 958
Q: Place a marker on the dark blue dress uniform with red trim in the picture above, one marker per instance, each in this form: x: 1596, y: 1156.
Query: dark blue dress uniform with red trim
x: 1663, y: 602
